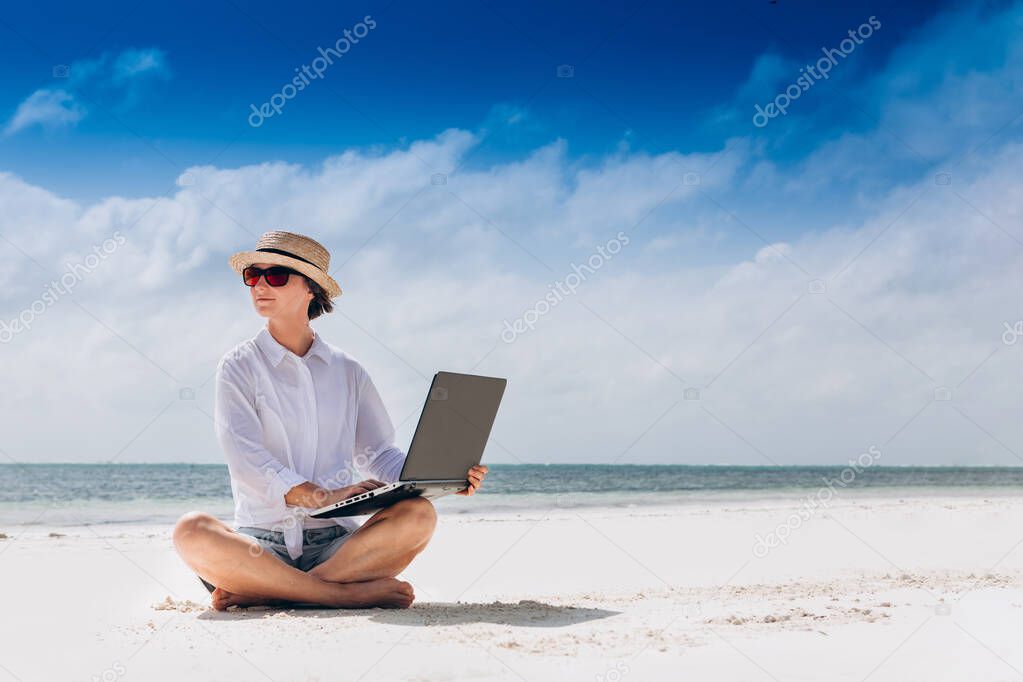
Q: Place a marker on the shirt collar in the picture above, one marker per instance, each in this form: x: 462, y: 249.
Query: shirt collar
x: 275, y: 352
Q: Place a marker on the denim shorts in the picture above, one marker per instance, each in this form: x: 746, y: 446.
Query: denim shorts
x: 318, y: 544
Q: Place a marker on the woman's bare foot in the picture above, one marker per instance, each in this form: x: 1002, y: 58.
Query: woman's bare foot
x: 221, y: 599
x: 388, y: 593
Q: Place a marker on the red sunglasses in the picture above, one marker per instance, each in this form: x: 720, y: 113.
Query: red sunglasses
x: 277, y: 276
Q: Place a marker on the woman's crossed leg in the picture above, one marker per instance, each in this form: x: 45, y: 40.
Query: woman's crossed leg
x: 361, y: 574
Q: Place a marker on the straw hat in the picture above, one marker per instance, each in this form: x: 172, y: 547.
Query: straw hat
x: 296, y: 251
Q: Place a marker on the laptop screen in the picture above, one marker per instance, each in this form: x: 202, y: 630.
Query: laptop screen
x: 454, y: 427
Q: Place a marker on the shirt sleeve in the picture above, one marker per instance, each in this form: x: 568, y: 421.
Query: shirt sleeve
x: 376, y: 454
x: 254, y: 469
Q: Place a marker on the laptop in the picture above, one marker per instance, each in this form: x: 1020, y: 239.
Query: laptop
x: 449, y: 440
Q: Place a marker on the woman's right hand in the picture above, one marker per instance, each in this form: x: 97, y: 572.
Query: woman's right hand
x: 313, y: 496
x: 353, y: 490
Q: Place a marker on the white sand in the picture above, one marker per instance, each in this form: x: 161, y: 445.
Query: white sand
x: 876, y: 588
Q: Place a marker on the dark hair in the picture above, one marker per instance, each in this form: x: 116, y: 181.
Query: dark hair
x: 321, y: 303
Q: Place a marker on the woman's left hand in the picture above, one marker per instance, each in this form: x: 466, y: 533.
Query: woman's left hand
x: 475, y: 477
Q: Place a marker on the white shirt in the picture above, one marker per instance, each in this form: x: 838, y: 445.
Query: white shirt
x: 284, y: 419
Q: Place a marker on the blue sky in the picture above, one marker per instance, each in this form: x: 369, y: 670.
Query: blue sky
x: 653, y: 75
x: 793, y: 290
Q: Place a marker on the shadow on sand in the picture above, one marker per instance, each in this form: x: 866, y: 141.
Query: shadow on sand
x: 526, y: 613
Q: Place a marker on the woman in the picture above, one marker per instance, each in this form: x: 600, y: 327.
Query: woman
x: 300, y: 422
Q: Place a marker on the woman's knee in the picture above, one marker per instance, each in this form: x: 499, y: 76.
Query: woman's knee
x: 191, y: 528
x: 419, y: 511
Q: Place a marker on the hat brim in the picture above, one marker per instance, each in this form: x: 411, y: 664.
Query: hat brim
x: 244, y: 259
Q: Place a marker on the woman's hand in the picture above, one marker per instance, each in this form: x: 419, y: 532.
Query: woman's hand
x: 353, y: 490
x: 475, y: 477
x: 313, y: 496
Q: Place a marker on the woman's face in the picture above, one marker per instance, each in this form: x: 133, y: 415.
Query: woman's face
x: 292, y: 299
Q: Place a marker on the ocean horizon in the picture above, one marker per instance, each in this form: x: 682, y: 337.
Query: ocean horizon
x: 100, y: 493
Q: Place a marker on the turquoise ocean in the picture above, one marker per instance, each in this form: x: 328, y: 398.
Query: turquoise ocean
x: 72, y: 494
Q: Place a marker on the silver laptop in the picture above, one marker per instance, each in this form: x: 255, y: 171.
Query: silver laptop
x: 449, y: 440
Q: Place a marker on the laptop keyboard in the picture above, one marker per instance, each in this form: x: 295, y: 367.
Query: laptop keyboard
x: 367, y: 495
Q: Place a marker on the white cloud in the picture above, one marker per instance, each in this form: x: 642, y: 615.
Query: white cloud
x: 132, y: 63
x: 430, y: 290
x: 937, y: 98
x: 47, y: 108
x: 115, y: 76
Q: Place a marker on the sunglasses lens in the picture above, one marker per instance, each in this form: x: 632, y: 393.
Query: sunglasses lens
x: 251, y: 275
x: 277, y: 277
